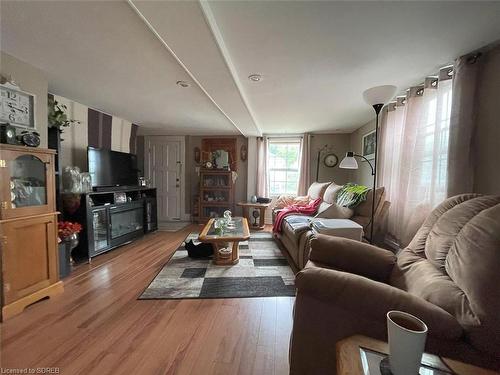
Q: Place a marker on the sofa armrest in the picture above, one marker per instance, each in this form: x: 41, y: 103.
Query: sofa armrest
x: 373, y: 299
x: 352, y: 256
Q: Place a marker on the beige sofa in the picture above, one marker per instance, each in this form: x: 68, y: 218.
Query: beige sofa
x: 296, y: 233
x: 447, y: 276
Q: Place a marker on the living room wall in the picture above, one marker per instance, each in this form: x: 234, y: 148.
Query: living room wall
x: 32, y: 80
x: 339, y: 144
x: 362, y: 175
x: 121, y: 134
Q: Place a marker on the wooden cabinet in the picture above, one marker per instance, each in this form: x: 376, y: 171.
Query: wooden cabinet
x: 28, y: 227
x: 216, y: 193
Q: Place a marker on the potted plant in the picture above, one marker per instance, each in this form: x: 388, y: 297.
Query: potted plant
x: 68, y: 240
x: 57, y: 116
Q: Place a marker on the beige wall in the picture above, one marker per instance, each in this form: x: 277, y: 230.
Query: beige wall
x: 363, y: 175
x: 74, y: 139
x: 487, y: 138
x: 339, y: 144
x: 32, y: 80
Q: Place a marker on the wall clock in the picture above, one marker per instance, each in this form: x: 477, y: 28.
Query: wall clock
x: 331, y: 160
x: 17, y: 107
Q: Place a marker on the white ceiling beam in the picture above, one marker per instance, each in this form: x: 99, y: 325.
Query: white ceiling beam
x: 164, y: 43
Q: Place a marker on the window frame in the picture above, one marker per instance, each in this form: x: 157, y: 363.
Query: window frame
x: 283, y: 140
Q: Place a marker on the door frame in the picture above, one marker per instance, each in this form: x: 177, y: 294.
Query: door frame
x: 147, y: 171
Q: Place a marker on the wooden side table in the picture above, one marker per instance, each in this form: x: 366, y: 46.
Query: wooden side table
x: 261, y: 206
x: 349, y: 359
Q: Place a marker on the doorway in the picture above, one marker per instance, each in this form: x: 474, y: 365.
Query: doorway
x: 164, y: 167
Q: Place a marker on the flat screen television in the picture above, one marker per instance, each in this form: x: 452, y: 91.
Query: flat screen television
x: 112, y: 168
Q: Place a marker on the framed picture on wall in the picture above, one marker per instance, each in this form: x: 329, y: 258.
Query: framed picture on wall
x: 368, y: 145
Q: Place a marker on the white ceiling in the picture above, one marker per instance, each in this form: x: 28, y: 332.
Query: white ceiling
x: 316, y: 57
x: 102, y: 54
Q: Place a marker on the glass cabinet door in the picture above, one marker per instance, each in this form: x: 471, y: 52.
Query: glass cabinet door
x: 28, y: 182
x: 100, y: 229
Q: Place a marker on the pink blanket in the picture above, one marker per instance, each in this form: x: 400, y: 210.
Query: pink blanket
x: 309, y: 210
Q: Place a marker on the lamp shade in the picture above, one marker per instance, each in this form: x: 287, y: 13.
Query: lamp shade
x: 379, y: 94
x: 349, y: 162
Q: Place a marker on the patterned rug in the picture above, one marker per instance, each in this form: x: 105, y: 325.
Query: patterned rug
x: 261, y: 272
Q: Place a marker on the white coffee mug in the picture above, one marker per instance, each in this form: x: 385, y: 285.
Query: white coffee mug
x: 407, y: 335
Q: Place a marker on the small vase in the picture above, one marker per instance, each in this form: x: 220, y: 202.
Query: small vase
x: 71, y: 242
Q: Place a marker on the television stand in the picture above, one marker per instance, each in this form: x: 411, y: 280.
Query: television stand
x: 108, y: 223
x: 106, y: 189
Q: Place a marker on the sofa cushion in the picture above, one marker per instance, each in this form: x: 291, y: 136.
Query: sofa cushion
x: 339, y: 228
x: 331, y: 191
x: 317, y: 189
x: 365, y: 208
x: 296, y: 224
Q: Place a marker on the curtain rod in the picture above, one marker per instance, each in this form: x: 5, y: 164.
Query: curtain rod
x: 283, y: 136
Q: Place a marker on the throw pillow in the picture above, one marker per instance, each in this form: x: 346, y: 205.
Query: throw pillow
x: 317, y: 189
x: 330, y: 195
x: 334, y: 211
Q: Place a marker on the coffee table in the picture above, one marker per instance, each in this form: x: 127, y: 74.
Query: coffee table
x: 230, y: 237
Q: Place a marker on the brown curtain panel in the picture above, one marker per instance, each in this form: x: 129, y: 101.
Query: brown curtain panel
x: 305, y: 164
x: 262, y: 167
x: 467, y: 70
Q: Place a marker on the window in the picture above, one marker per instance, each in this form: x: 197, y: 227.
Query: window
x: 283, y: 165
x: 430, y: 173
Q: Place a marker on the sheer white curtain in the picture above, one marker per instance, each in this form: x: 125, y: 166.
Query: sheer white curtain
x: 390, y: 158
x: 414, y: 171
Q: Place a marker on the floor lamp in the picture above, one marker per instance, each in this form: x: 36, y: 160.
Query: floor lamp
x: 377, y: 97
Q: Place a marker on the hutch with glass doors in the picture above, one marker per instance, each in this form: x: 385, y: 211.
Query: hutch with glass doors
x: 28, y: 227
x: 216, y: 193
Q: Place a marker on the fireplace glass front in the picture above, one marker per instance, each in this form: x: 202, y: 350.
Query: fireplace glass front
x: 126, y: 221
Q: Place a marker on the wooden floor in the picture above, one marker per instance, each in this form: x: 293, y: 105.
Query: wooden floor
x: 97, y: 326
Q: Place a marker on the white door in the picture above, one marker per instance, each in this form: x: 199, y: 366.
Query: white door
x: 163, y: 159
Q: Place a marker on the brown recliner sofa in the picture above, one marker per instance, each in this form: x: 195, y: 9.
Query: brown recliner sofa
x: 449, y: 276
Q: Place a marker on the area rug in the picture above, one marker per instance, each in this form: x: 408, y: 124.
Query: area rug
x: 261, y: 272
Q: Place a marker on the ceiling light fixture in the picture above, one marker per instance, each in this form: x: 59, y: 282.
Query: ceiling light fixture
x: 183, y: 84
x: 255, y: 77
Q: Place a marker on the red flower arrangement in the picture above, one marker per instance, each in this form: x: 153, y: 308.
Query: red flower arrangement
x: 67, y: 228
